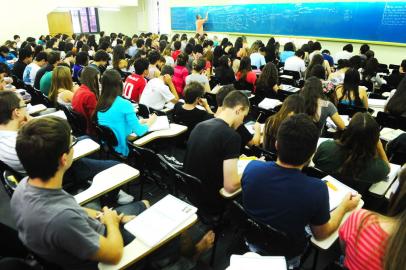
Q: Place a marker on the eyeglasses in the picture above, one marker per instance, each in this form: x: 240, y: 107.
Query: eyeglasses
x: 74, y: 142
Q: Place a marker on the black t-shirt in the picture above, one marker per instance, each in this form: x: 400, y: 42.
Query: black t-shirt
x: 41, y: 73
x: 189, y: 118
x: 18, y: 69
x: 286, y: 199
x: 210, y: 143
x: 245, y: 135
x: 224, y: 75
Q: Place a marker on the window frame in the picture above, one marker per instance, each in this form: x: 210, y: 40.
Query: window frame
x: 79, y: 15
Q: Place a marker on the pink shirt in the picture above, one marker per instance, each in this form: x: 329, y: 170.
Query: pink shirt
x: 179, y: 78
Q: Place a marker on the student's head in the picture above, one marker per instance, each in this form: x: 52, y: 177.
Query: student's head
x: 364, y: 48
x: 82, y: 58
x: 349, y: 48
x: 293, y: 104
x: 355, y: 62
x: 4, y: 50
x: 222, y: 93
x: 90, y: 78
x: 61, y: 79
x: 25, y: 55
x: 193, y: 92
x: 224, y: 61
x: 44, y: 147
x: 167, y: 51
x: 153, y: 57
x: 199, y: 65
x: 112, y: 87
x: 101, y: 57
x: 245, y: 65
x: 167, y: 70
x: 369, y: 54
x: 177, y: 45
x: 238, y: 104
x: 140, y: 43
x: 141, y: 66
x: 326, y: 52
x: 343, y: 63
x: 318, y: 71
x: 41, y: 58
x: 394, y: 256
x: 118, y: 56
x: 269, y: 76
x: 289, y: 47
x: 316, y: 60
x: 12, y: 108
x: 359, y: 139
x: 396, y: 105
x: 300, y: 53
x: 182, y: 60
x: 16, y: 38
x: 316, y: 46
x: 371, y: 67
x: 54, y: 58
x: 296, y: 140
x: 350, y: 85
x: 402, y: 68
x: 312, y: 91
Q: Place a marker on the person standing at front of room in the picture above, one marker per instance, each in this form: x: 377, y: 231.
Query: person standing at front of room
x: 199, y: 23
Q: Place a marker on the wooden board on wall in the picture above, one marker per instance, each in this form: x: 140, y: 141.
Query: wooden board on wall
x: 60, y: 22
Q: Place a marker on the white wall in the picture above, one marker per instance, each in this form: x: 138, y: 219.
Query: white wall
x: 385, y: 54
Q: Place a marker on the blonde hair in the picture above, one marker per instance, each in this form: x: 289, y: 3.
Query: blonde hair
x: 61, y: 79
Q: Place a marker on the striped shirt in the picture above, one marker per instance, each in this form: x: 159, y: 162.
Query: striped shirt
x: 8, y: 152
x: 365, y: 247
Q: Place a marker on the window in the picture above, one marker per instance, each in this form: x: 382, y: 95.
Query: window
x: 85, y: 20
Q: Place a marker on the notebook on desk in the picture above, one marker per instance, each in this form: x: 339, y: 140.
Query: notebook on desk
x: 161, y: 122
x: 157, y: 222
x: 336, y: 191
x: 33, y: 109
x: 243, y: 162
x: 373, y: 102
x: 269, y: 103
x: 250, y: 127
x: 389, y: 134
x: 393, y: 173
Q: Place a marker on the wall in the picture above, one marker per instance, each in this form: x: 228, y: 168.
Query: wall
x: 385, y: 54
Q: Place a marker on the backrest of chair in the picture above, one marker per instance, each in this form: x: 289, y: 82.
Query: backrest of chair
x: 11, y: 263
x: 9, y: 178
x: 106, y: 137
x: 12, y: 245
x: 383, y: 68
x: 188, y: 185
x: 294, y: 74
x: 265, y: 239
x: 349, y: 110
x: 314, y: 172
x: 243, y: 85
x: 76, y: 120
x: 143, y: 110
x: 260, y: 152
x: 394, y: 67
x: 391, y: 121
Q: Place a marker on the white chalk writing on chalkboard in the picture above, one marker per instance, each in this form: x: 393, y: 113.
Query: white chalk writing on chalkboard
x: 394, y: 15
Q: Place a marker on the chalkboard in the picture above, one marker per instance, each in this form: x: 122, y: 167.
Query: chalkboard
x: 372, y: 21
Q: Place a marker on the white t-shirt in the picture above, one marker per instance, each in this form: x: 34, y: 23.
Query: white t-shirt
x: 156, y: 94
x: 8, y: 152
x: 295, y: 63
x: 202, y: 79
x: 30, y: 72
x: 342, y: 55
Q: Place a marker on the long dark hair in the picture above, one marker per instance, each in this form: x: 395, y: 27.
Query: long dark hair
x: 371, y: 68
x: 118, y: 54
x: 359, y: 140
x: 89, y: 77
x: 245, y: 67
x: 293, y: 103
x: 112, y: 87
x: 316, y: 60
x: 268, y: 77
x: 351, y: 85
x: 396, y: 105
x: 312, y: 91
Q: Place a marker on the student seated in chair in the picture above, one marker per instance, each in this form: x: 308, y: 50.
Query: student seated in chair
x: 13, y: 116
x: 135, y: 83
x: 279, y: 194
x: 53, y: 225
x: 213, y: 149
x: 187, y: 113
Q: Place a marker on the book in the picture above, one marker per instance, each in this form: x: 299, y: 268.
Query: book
x: 389, y: 134
x: 269, y: 103
x: 251, y: 260
x: 161, y: 122
x: 336, y: 191
x: 160, y: 220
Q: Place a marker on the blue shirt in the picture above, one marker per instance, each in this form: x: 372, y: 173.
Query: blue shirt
x: 121, y: 118
x: 285, y: 55
x: 257, y: 60
x: 286, y: 199
x: 329, y: 59
x: 76, y: 72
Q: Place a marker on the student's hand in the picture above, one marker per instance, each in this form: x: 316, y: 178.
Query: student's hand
x: 350, y: 201
x: 126, y: 219
x: 167, y: 79
x: 203, y: 102
x: 110, y: 217
x: 257, y: 127
x: 151, y: 119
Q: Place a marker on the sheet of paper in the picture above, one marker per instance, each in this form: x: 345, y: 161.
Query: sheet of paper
x: 336, y: 191
x: 331, y: 124
x: 389, y: 134
x: 243, y: 162
x: 158, y: 221
x: 269, y: 103
x: 250, y: 127
x: 243, y: 262
x: 162, y: 122
x: 372, y: 102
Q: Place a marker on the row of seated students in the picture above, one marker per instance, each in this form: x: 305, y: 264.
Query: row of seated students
x: 222, y: 145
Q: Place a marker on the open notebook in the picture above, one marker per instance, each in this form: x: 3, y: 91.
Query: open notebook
x: 250, y: 127
x: 157, y: 222
x: 336, y: 191
x: 162, y: 122
x: 389, y: 134
x: 245, y: 262
x: 269, y: 103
